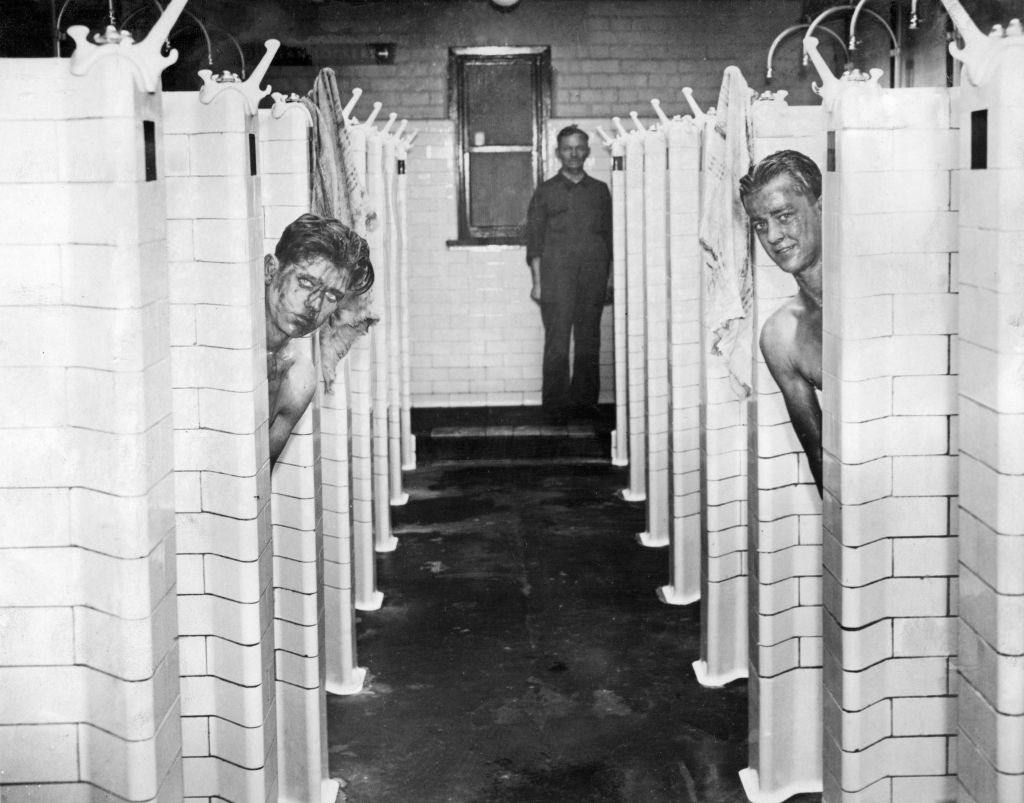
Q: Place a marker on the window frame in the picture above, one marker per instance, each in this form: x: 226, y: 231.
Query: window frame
x: 539, y: 58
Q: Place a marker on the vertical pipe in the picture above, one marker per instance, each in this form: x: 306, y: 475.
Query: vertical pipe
x: 408, y: 445
x: 394, y: 341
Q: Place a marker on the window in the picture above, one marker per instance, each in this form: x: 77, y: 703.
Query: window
x: 500, y: 99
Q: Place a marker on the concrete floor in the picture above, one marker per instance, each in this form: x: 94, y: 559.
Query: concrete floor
x: 521, y: 653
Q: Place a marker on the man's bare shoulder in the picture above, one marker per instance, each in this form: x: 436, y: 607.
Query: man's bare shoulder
x: 778, y: 334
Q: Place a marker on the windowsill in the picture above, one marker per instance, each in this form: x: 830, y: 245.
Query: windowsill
x: 485, y: 245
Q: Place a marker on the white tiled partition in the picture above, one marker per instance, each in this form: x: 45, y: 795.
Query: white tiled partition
x: 990, y: 733
x: 90, y: 701
x: 299, y: 621
x: 297, y: 505
x: 890, y: 464
x: 359, y: 383
x: 723, y: 475
x: 636, y: 330
x: 379, y: 337
x: 408, y: 440
x: 286, y: 156
x: 394, y: 330
x: 784, y: 528
x: 683, y: 361
x: 656, y: 313
x: 222, y: 469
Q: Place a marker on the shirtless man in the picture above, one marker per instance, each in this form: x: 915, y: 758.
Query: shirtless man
x: 317, y: 263
x: 782, y: 196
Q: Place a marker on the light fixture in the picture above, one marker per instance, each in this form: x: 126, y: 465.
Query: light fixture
x: 505, y: 3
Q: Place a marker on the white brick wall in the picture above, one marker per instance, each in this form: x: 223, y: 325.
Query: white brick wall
x: 475, y: 335
x: 606, y: 55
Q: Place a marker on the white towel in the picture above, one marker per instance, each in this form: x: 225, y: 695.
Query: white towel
x: 724, y: 231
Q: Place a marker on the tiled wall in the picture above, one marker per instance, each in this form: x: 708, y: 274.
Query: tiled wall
x: 991, y: 515
x: 88, y: 661
x: 475, y: 335
x: 784, y: 537
x: 606, y: 55
x: 890, y: 444
x: 222, y: 470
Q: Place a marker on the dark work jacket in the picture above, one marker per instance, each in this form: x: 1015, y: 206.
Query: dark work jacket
x: 569, y: 226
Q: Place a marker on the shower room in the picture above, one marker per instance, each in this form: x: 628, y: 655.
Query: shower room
x: 202, y: 486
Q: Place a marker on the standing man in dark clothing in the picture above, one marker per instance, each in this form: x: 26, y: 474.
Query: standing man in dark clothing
x: 569, y: 250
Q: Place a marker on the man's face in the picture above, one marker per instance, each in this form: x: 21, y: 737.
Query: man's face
x: 301, y: 297
x: 787, y: 223
x: 573, y: 151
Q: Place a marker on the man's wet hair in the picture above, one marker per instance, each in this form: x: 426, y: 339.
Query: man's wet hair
x: 310, y: 236
x: 569, y: 130
x: 805, y: 174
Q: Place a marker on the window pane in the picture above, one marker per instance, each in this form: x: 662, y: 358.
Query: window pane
x: 499, y: 101
x: 500, y: 186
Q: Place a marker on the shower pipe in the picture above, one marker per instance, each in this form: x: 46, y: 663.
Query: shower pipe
x: 63, y: 8
x: 834, y: 9
x: 793, y: 29
x: 856, y: 17
x: 894, y: 53
x: 206, y: 33
x: 209, y: 46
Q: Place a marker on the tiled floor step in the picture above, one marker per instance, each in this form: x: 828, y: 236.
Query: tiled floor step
x: 508, y: 433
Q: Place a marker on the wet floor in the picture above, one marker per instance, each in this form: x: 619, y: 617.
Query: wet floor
x: 521, y: 653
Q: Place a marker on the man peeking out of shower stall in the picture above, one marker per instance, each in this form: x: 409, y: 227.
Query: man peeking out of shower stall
x: 569, y: 251
x: 782, y: 196
x: 318, y: 264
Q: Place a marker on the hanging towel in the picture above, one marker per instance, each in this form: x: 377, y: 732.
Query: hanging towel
x: 338, y: 192
x: 724, y: 232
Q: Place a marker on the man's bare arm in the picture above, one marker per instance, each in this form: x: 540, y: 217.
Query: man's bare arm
x: 778, y: 347
x: 293, y: 397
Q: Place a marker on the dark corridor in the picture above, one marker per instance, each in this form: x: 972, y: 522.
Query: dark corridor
x: 521, y: 653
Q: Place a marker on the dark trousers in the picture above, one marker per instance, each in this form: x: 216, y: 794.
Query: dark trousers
x: 582, y: 320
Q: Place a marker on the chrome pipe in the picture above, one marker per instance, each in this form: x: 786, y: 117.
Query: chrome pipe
x: 793, y: 29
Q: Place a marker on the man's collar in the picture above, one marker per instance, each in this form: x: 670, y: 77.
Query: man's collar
x: 569, y: 181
